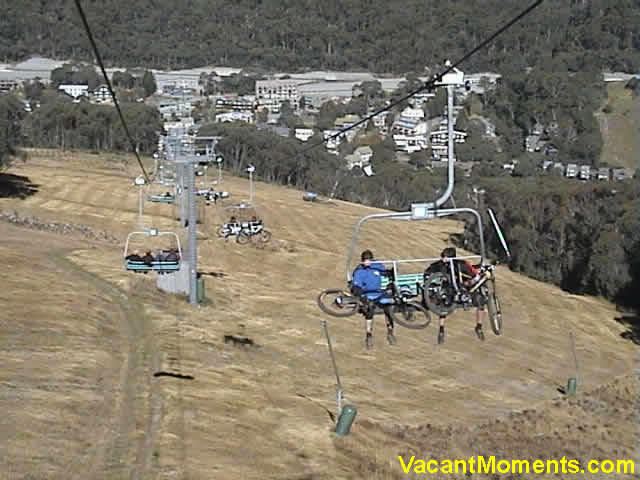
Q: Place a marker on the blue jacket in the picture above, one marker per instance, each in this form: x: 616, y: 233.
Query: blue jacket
x: 368, y: 278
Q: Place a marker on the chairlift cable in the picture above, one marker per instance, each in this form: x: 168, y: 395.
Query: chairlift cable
x: 430, y: 84
x: 113, y: 95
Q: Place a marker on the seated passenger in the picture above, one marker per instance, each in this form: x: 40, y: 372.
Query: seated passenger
x: 465, y: 275
x: 134, y: 257
x: 367, y: 284
x: 148, y: 258
x: 172, y: 256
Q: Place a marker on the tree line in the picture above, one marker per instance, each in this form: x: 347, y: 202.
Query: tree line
x: 383, y: 36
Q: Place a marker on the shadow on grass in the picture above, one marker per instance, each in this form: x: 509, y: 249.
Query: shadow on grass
x: 16, y: 186
x: 632, y: 323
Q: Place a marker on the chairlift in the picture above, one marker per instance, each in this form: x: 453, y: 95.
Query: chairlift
x: 244, y: 223
x: 413, y: 284
x: 160, y: 266
x: 164, y: 198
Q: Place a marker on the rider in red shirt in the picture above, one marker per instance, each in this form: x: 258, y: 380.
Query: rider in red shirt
x: 465, y: 275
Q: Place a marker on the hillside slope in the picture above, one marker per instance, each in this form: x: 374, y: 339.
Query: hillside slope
x: 620, y: 127
x: 262, y: 412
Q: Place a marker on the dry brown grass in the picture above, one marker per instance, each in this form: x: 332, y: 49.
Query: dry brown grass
x: 242, y: 416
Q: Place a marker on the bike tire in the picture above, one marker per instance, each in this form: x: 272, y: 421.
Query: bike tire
x: 350, y: 308
x: 495, y: 313
x: 221, y: 231
x: 265, y: 236
x: 410, y: 315
x: 434, y: 303
x: 243, y: 238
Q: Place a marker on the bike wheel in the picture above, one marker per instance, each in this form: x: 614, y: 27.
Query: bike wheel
x: 438, y: 294
x: 221, y: 231
x: 265, y: 236
x: 495, y: 313
x: 338, y: 303
x: 243, y: 238
x: 410, y: 315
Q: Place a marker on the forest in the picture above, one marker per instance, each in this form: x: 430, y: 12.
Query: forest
x: 382, y: 36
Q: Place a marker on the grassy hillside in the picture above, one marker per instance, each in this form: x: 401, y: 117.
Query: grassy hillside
x: 620, y: 127
x: 89, y: 404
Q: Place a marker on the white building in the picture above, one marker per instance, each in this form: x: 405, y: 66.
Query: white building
x: 380, y: 122
x: 279, y: 90
x: 101, y: 94
x: 332, y: 144
x: 410, y: 134
x: 412, y: 113
x: 75, y: 91
x: 235, y: 117
x: 304, y: 134
x: 585, y: 172
x: 572, y: 170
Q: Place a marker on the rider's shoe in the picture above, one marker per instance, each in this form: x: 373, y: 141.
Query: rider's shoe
x: 369, y: 341
x: 441, y: 336
x: 479, y: 332
x: 391, y: 338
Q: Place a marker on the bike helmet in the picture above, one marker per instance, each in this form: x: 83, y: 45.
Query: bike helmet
x: 366, y: 255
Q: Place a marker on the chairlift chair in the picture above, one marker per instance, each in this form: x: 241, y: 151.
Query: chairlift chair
x: 157, y: 266
x: 248, y: 224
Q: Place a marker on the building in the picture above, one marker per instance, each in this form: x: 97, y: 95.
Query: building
x: 279, y: 90
x: 236, y: 104
x: 304, y: 134
x: 410, y: 134
x: 235, y: 117
x: 6, y: 85
x: 479, y: 82
x: 75, y: 91
x: 361, y: 157
x: 585, y: 172
x: 572, y: 170
x: 620, y: 174
x: 365, y: 152
x: 412, y: 113
x: 380, y: 122
x: 332, y: 143
x: 603, y: 173
x: 440, y: 141
x: 101, y: 94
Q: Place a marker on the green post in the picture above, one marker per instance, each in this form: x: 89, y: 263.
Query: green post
x: 346, y: 418
x: 572, y: 386
x: 200, y: 289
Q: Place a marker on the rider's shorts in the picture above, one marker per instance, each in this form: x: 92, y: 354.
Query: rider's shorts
x: 479, y: 300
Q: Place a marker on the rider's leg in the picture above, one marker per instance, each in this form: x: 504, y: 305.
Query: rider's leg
x: 368, y: 315
x: 478, y: 300
x: 391, y: 338
x: 441, y: 330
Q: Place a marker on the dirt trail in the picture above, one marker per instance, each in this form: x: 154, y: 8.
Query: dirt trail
x: 139, y: 400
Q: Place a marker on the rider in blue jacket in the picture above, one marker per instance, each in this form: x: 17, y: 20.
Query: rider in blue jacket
x: 367, y: 284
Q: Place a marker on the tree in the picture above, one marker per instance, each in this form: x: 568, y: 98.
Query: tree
x: 33, y: 88
x: 11, y: 114
x: 149, y: 83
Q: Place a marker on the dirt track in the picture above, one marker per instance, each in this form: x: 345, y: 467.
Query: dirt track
x: 262, y: 412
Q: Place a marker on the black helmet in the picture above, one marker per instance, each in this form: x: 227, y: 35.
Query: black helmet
x: 366, y: 255
x: 448, y: 252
